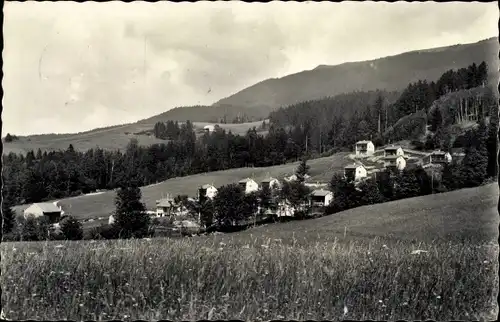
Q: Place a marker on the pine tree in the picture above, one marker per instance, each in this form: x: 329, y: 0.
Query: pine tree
x: 370, y: 193
x: 8, y: 217
x: 302, y: 170
x: 131, y: 218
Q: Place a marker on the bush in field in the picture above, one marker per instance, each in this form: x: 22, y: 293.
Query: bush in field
x: 34, y: 229
x: 71, y: 228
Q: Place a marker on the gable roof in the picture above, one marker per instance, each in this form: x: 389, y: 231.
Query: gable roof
x: 320, y: 193
x: 353, y: 166
x: 45, y: 207
x: 364, y: 142
x: 392, y: 147
x: 206, y: 186
x: 269, y: 179
x: 438, y: 153
x: 246, y: 180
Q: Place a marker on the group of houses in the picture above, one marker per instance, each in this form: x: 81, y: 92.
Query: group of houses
x: 392, y: 157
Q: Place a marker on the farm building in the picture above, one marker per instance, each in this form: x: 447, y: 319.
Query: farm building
x: 395, y: 161
x: 248, y: 185
x: 209, y: 128
x: 271, y: 183
x: 393, y: 150
x: 437, y: 157
x: 165, y: 207
x: 355, y: 172
x: 321, y: 198
x: 47, y: 209
x: 207, y: 191
x: 364, y: 148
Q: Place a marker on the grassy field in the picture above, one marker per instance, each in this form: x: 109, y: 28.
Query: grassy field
x: 253, y: 278
x: 99, y: 205
x: 110, y: 138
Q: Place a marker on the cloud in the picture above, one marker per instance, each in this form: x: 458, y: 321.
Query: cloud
x: 70, y: 67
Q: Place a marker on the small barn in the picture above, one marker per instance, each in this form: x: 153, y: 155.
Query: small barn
x: 364, y: 148
x: 355, y: 172
x: 44, y: 209
x: 248, y: 185
x: 393, y: 150
x: 321, y: 198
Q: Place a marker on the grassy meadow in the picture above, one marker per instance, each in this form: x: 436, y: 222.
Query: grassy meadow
x: 110, y: 138
x: 249, y: 279
x: 359, y: 264
x: 103, y: 204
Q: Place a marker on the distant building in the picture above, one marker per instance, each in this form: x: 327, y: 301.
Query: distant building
x: 457, y: 154
x: 209, y: 128
x: 248, y: 185
x: 207, y: 191
x: 437, y: 157
x: 165, y: 207
x: 321, y: 198
x: 44, y: 209
x: 294, y: 177
x: 355, y: 172
x: 271, y: 183
x: 393, y: 150
x: 395, y: 161
x: 285, y: 209
x: 111, y: 220
x: 364, y: 148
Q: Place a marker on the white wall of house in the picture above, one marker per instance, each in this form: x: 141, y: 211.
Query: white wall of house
x: 274, y: 184
x: 399, y: 152
x: 285, y: 210
x: 370, y: 149
x: 210, y: 192
x: 360, y: 173
x: 328, y: 199
x: 251, y: 186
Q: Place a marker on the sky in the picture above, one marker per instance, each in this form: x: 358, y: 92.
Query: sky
x: 71, y: 67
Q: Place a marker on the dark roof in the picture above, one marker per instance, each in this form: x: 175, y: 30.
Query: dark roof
x: 353, y: 166
x: 269, y: 179
x: 392, y: 147
x: 389, y: 157
x: 363, y: 142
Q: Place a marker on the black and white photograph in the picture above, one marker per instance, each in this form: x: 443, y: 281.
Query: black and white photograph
x: 227, y: 160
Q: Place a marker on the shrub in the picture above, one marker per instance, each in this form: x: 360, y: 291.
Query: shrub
x: 71, y: 228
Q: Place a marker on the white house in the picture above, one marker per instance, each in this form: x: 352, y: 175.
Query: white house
x: 393, y: 150
x: 111, y: 220
x: 364, y: 148
x: 50, y: 210
x: 207, y: 191
x: 165, y: 207
x: 437, y: 157
x: 271, y: 183
x: 395, y: 161
x: 248, y: 185
x: 209, y: 128
x: 355, y: 172
x: 321, y: 198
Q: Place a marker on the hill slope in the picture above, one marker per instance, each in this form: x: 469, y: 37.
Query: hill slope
x: 470, y: 214
x: 101, y: 205
x: 389, y: 73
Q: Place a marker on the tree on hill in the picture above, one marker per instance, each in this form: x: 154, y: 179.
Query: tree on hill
x: 130, y: 216
x: 370, y: 193
x: 295, y: 193
x: 302, y: 170
x: 265, y: 197
x: 343, y: 194
x: 71, y: 228
x: 406, y: 185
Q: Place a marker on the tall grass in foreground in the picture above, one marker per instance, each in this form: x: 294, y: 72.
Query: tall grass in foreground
x: 262, y: 280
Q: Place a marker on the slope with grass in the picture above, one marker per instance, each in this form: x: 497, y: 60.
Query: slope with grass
x: 102, y: 204
x: 109, y: 138
x: 302, y: 270
x: 462, y: 215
